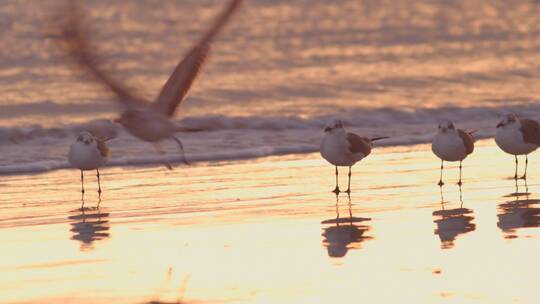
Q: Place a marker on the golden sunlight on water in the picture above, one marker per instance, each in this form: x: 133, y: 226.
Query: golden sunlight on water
x: 280, y: 57
x: 271, y: 231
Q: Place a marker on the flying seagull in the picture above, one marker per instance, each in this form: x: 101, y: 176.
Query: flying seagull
x: 451, y: 144
x: 148, y: 121
x: 341, y: 148
x: 518, y: 137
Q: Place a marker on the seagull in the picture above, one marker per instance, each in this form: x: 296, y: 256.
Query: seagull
x: 518, y: 137
x: 341, y: 148
x: 150, y: 122
x: 88, y: 153
x: 451, y: 144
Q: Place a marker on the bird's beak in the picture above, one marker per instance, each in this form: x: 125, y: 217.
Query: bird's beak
x: 500, y: 125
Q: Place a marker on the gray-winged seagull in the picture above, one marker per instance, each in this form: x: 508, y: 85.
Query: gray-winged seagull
x: 341, y: 148
x: 518, y: 137
x: 451, y: 144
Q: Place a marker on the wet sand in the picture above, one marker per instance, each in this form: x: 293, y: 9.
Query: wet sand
x: 270, y: 231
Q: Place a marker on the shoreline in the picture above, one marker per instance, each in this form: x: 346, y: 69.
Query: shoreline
x: 226, y: 157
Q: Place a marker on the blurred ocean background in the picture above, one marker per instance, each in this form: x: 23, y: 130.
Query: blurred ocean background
x: 277, y: 74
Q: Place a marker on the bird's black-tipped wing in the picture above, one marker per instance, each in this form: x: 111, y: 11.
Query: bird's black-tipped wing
x: 77, y: 43
x: 531, y: 131
x: 177, y: 86
x: 468, y: 141
x: 359, y: 144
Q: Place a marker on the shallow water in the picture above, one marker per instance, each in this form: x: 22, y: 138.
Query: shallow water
x: 280, y: 70
x: 269, y: 230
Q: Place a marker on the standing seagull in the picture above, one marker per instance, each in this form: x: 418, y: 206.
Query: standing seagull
x: 341, y: 148
x: 147, y: 121
x: 88, y: 153
x: 451, y: 144
x: 518, y: 137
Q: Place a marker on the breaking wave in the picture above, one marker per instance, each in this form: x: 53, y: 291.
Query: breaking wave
x: 36, y: 148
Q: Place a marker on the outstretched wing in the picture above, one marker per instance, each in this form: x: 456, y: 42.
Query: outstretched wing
x: 179, y: 83
x: 531, y: 131
x: 358, y: 144
x: 468, y: 141
x: 77, y: 43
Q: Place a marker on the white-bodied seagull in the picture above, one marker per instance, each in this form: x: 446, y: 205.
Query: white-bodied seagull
x: 341, y: 148
x: 518, y: 137
x: 451, y: 144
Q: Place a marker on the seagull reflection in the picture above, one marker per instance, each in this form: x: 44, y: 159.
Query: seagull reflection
x: 521, y: 212
x: 344, y: 233
x: 89, y: 225
x: 452, y: 222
